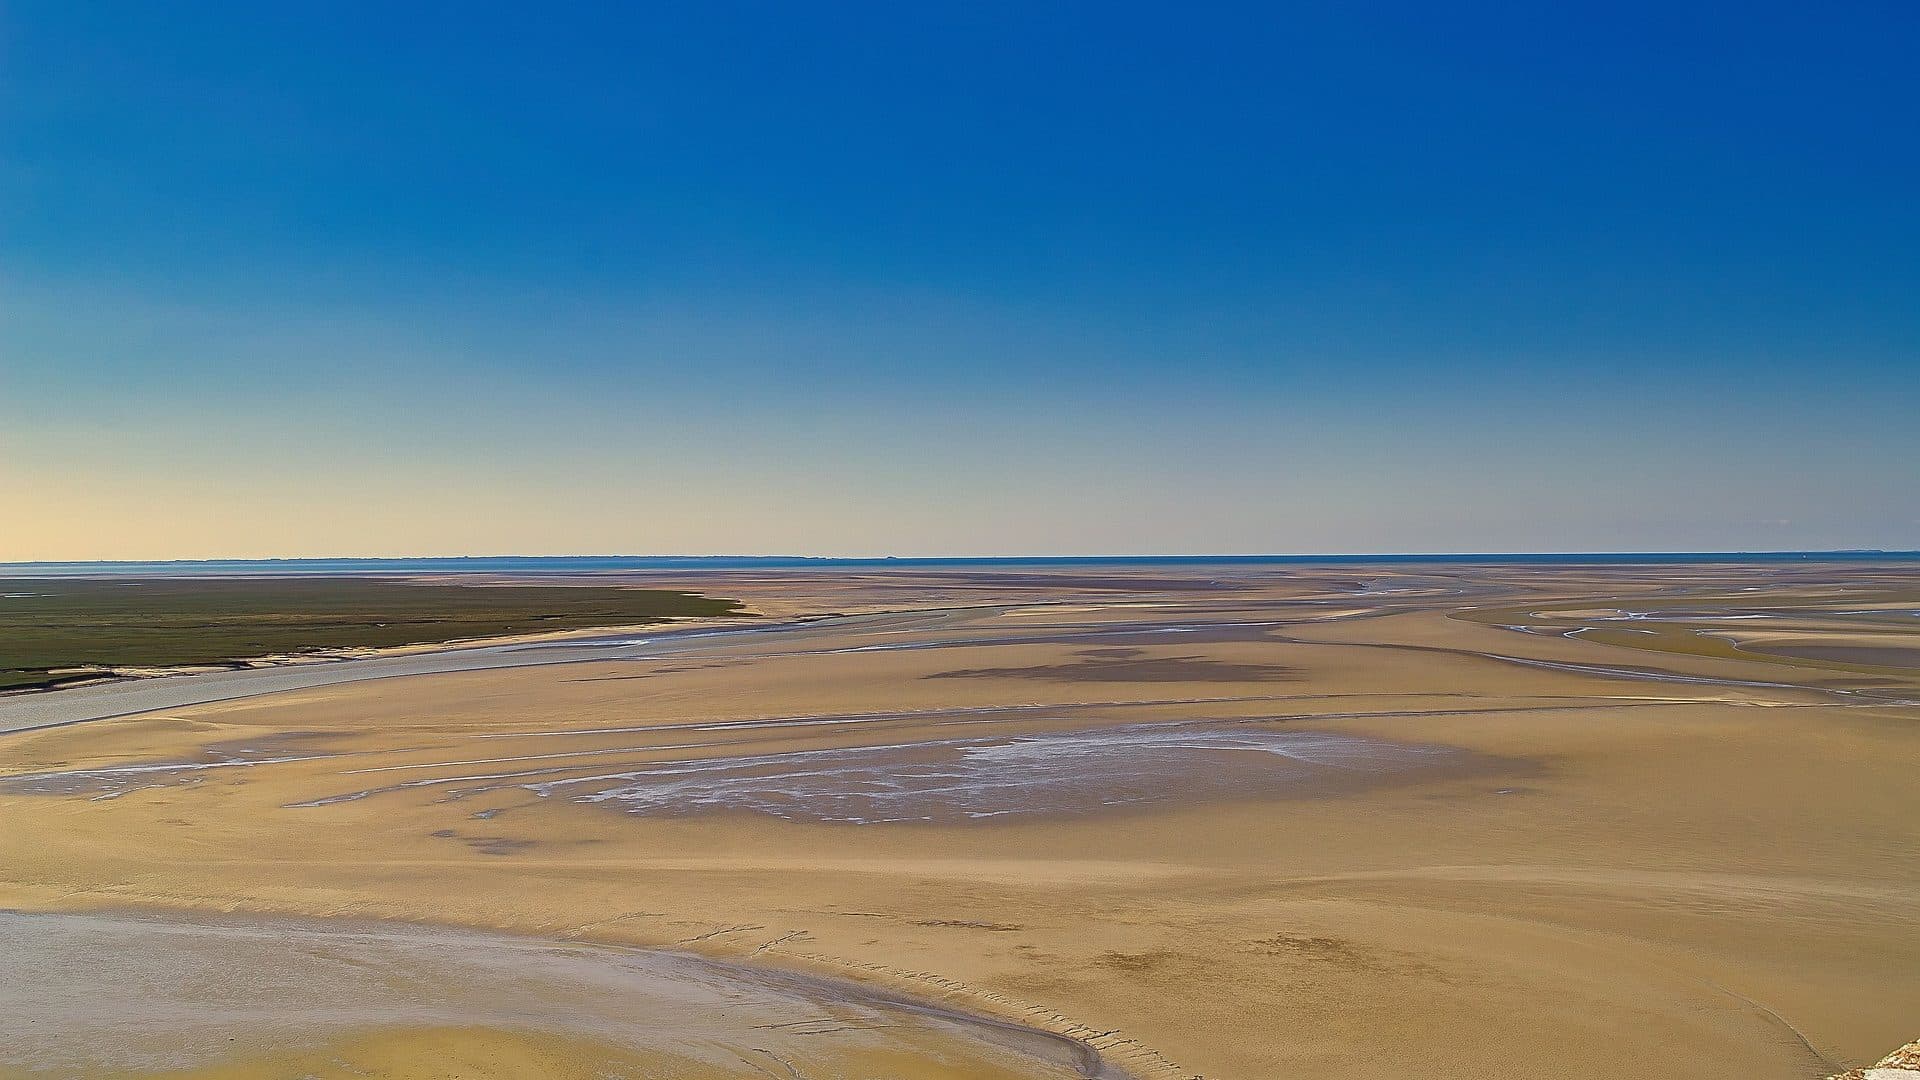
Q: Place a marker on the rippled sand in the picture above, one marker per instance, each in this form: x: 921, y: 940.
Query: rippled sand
x: 1247, y: 824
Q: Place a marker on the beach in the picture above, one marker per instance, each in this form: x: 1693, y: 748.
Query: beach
x: 1228, y: 821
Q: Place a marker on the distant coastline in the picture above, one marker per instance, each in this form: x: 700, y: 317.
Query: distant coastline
x: 513, y: 564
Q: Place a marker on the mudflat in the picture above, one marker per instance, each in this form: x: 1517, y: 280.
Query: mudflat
x: 1230, y: 822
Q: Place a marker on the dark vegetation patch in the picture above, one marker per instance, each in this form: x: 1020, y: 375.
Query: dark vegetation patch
x: 95, y: 624
x: 1141, y: 963
x: 1347, y: 955
x: 499, y: 845
x: 486, y: 845
x: 970, y: 924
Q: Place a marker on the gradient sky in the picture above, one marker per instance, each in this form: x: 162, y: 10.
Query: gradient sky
x: 833, y: 278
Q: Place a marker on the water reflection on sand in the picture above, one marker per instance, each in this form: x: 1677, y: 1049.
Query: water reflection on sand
x: 971, y: 779
x: 185, y: 994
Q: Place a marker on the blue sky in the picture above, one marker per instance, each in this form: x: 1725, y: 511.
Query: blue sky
x: 974, y: 279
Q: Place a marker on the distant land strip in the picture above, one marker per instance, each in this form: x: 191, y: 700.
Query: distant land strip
x: 56, y: 631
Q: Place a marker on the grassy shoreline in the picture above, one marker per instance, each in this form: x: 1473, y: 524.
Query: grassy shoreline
x: 55, y: 631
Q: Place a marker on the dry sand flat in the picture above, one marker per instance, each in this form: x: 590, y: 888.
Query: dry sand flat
x: 1230, y: 824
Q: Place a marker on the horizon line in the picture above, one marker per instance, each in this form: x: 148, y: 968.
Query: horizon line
x: 1023, y: 557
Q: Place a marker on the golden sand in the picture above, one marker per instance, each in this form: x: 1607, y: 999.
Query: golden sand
x: 1627, y: 853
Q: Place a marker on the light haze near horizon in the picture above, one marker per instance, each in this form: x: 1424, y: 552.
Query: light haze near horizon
x: 1113, y: 279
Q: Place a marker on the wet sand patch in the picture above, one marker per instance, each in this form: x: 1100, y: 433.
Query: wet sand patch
x: 184, y: 993
x: 1136, y: 666
x: 1898, y: 656
x: 996, y: 778
x: 113, y: 781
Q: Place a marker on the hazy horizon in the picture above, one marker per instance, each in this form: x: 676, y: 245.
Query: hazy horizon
x: 352, y: 562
